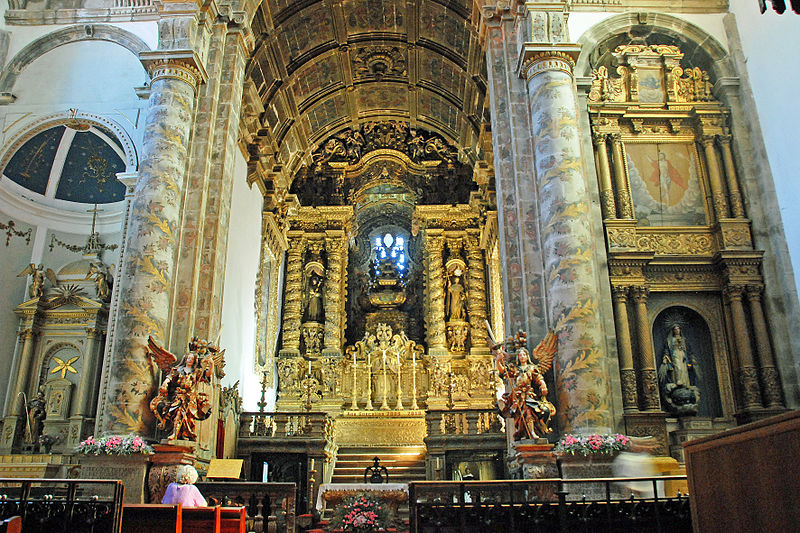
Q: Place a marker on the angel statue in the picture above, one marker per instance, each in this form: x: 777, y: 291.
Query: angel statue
x: 101, y: 274
x: 527, y: 401
x: 37, y: 274
x: 179, y: 403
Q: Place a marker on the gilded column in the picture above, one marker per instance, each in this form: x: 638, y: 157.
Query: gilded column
x: 293, y: 297
x: 147, y: 273
x: 747, y: 373
x: 770, y: 381
x: 434, y: 321
x: 714, y: 178
x: 333, y: 296
x: 23, y: 373
x: 630, y: 397
x: 604, y: 172
x: 476, y: 294
x: 647, y: 359
x: 737, y: 206
x: 581, y: 367
x: 620, y: 178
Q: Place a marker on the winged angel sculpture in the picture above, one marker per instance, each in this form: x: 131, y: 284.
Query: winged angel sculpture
x: 526, y: 402
x: 37, y: 274
x: 179, y: 404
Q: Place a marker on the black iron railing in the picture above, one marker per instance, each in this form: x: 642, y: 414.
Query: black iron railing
x: 270, y: 506
x: 548, y: 505
x: 60, y: 505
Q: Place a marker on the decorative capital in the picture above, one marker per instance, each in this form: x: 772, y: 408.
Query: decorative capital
x: 535, y: 59
x: 620, y: 293
x: 754, y: 291
x: 734, y: 292
x: 640, y: 294
x: 182, y: 65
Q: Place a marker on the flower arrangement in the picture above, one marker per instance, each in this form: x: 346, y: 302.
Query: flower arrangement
x: 592, y: 444
x: 361, y: 514
x: 114, y: 445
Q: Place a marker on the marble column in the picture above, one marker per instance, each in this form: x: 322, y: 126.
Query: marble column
x: 746, y: 373
x: 21, y: 380
x: 620, y: 178
x: 604, y: 172
x: 434, y: 319
x: 770, y: 381
x: 714, y: 178
x: 147, y: 270
x: 476, y: 295
x: 737, y: 206
x: 573, y: 290
x: 648, y: 379
x: 293, y: 297
x: 84, y: 399
x: 630, y: 396
x: 334, y: 299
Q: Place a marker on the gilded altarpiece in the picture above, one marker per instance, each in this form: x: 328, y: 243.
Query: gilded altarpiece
x: 680, y: 249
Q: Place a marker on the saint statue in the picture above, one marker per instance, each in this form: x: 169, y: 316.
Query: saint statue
x: 37, y: 412
x: 454, y: 305
x: 678, y: 374
x: 527, y: 400
x: 314, y: 306
x: 179, y: 404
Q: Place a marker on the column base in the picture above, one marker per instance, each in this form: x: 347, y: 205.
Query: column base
x: 170, y: 454
x: 649, y: 424
x: 745, y: 416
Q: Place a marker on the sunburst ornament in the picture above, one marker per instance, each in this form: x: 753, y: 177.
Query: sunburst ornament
x: 64, y: 366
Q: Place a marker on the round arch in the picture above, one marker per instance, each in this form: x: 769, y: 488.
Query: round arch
x: 71, y: 34
x: 720, y: 62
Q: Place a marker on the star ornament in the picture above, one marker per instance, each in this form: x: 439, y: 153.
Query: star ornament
x: 64, y: 366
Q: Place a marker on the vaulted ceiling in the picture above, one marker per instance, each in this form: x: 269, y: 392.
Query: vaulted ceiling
x: 321, y: 66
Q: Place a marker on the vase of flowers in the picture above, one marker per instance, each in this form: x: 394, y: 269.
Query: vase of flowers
x: 361, y: 514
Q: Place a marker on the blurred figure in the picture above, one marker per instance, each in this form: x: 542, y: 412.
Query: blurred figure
x: 638, y: 462
x: 183, y: 490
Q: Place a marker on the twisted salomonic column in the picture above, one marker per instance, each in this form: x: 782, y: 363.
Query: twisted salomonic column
x: 476, y: 294
x: 747, y: 373
x: 434, y: 319
x: 584, y: 392
x: 737, y: 207
x: 147, y: 272
x: 770, y: 382
x: 630, y: 399
x: 604, y: 172
x: 293, y: 297
x: 648, y: 376
x: 334, y: 285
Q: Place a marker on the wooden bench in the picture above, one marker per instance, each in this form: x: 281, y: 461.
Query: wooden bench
x: 11, y: 525
x: 152, y: 518
x: 233, y: 520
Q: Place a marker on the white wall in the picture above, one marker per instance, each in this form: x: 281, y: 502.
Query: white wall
x: 771, y: 46
x: 238, y: 300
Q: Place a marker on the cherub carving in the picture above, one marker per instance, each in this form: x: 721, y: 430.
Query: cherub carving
x: 179, y: 404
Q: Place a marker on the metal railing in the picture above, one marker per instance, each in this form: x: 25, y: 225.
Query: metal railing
x: 305, y: 425
x: 547, y: 505
x: 442, y: 422
x: 60, y: 505
x: 271, y: 507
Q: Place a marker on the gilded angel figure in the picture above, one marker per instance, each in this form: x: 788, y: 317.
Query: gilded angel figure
x: 179, y: 404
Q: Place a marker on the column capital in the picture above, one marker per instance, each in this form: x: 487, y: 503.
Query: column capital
x: 599, y: 138
x: 26, y: 334
x: 754, y: 291
x: 640, y: 294
x: 535, y: 58
x: 734, y: 292
x: 708, y: 140
x: 620, y: 293
x: 184, y: 65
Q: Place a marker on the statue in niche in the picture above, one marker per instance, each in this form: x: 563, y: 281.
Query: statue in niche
x: 179, y: 404
x: 37, y: 412
x: 314, y: 306
x: 454, y: 305
x: 527, y: 400
x: 678, y: 374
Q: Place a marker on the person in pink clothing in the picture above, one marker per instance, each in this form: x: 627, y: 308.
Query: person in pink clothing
x: 184, y: 491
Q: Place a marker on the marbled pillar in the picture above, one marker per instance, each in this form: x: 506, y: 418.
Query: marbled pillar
x: 147, y: 269
x: 573, y: 289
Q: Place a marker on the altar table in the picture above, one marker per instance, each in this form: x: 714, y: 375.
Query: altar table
x: 391, y: 493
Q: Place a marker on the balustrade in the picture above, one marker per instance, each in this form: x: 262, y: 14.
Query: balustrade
x: 464, y: 422
x: 284, y: 424
x: 270, y: 506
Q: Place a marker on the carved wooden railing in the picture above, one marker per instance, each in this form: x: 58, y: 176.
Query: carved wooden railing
x: 60, y: 505
x: 270, y: 506
x: 302, y: 425
x: 443, y: 422
x: 545, y: 505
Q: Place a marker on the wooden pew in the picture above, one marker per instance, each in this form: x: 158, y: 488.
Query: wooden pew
x: 233, y: 520
x: 152, y: 518
x: 201, y: 519
x: 11, y: 525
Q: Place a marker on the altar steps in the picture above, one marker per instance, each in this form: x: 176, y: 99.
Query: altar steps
x: 405, y: 464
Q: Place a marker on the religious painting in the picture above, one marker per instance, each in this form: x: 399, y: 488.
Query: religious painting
x: 665, y: 184
x: 651, y: 88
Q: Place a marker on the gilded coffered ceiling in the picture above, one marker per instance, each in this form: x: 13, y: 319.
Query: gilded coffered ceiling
x: 321, y: 67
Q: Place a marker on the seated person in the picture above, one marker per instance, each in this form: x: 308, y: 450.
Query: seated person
x: 184, y: 491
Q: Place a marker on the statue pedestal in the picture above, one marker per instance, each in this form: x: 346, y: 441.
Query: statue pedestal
x: 130, y: 469
x: 170, y: 454
x: 534, y: 459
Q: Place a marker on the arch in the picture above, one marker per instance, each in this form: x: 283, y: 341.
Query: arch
x: 721, y: 64
x: 65, y: 117
x: 71, y: 34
